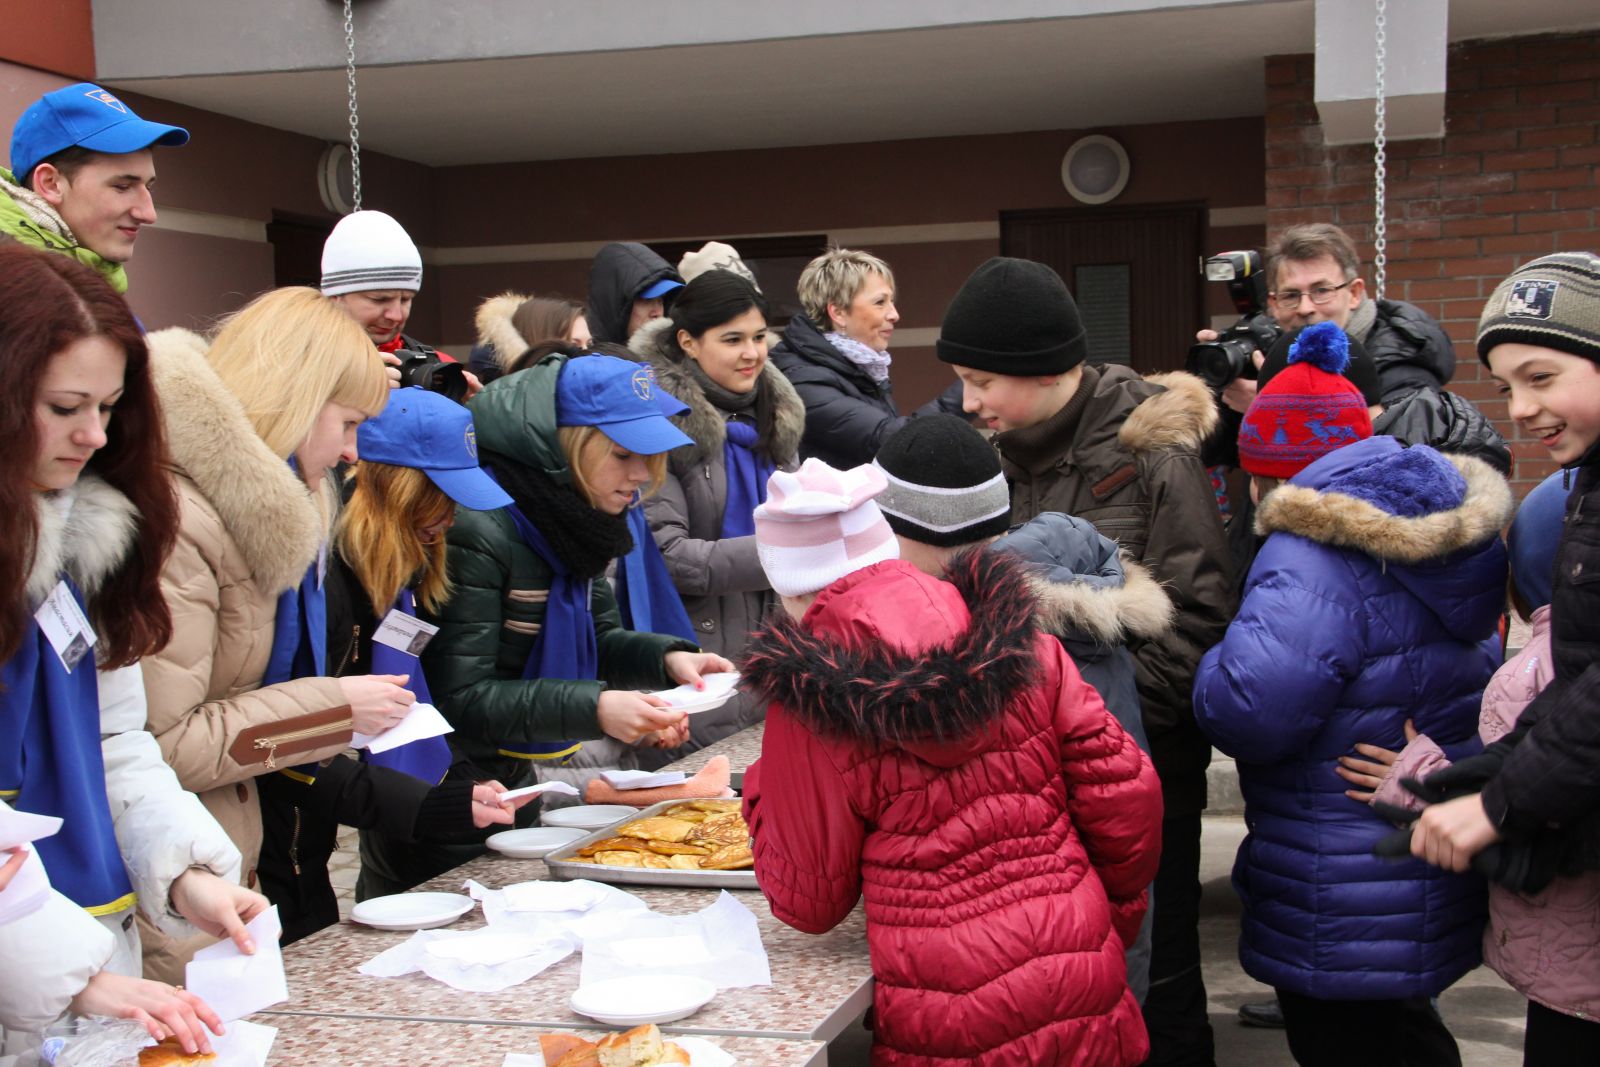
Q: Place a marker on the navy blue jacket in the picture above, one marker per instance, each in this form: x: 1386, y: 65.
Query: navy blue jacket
x: 1374, y: 600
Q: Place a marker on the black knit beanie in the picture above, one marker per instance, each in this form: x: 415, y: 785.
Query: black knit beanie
x: 945, y: 484
x: 1013, y: 317
x: 1552, y: 302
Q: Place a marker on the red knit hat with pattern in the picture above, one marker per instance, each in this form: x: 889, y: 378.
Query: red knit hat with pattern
x: 1307, y: 410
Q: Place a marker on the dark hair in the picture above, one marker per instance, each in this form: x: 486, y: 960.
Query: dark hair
x: 532, y: 356
x: 48, y: 302
x: 68, y: 161
x: 545, y: 318
x: 713, y: 298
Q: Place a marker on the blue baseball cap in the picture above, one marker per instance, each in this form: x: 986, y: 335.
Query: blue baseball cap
x: 661, y: 288
x: 434, y: 434
x: 83, y: 116
x: 622, y: 399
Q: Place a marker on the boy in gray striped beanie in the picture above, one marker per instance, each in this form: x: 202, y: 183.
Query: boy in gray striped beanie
x: 946, y: 490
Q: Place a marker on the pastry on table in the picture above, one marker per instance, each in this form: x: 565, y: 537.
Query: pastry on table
x: 170, y: 1054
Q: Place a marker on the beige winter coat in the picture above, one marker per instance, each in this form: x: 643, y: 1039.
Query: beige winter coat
x: 249, y: 532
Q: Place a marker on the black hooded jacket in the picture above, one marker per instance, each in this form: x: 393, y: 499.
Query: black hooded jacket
x: 616, y: 277
x: 1411, y: 350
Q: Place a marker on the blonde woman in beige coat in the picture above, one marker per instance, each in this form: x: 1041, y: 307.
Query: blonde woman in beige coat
x: 289, y: 376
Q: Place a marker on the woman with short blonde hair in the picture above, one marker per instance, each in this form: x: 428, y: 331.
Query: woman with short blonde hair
x: 836, y: 355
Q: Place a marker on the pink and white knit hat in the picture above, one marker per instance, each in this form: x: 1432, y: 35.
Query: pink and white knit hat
x: 820, y: 524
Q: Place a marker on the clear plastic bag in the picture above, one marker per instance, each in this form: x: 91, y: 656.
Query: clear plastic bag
x: 96, y: 1042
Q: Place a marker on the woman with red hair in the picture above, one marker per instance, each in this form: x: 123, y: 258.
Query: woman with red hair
x: 87, y: 516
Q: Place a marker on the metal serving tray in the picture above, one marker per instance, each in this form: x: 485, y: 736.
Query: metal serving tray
x: 564, y: 863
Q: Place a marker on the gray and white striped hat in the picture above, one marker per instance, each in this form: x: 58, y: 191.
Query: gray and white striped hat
x: 369, y: 251
x: 945, y: 487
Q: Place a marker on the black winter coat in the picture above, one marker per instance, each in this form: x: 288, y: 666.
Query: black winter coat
x: 848, y: 415
x: 1551, y: 770
x: 617, y: 275
x: 1445, y: 421
x: 1412, y: 351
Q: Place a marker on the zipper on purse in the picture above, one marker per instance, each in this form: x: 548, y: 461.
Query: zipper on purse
x: 271, y: 743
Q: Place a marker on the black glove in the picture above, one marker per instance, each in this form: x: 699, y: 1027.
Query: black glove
x: 1461, y: 779
x: 1525, y: 866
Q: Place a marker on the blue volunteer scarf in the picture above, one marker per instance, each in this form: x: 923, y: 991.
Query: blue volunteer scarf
x: 747, y: 479
x: 51, y: 764
x: 300, y: 644
x: 429, y: 758
x: 566, y: 645
x: 646, y: 598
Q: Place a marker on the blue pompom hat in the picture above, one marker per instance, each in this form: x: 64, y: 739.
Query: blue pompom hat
x: 1307, y: 410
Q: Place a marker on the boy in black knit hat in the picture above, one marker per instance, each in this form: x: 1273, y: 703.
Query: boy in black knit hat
x: 946, y: 493
x: 1103, y: 444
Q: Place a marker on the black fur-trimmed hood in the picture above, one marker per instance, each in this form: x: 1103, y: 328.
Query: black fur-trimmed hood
x: 893, y: 656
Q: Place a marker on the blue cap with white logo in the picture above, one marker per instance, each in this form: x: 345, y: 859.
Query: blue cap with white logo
x: 433, y: 434
x: 83, y: 116
x: 623, y: 400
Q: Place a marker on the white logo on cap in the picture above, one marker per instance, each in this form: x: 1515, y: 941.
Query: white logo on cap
x: 107, y: 99
x: 644, y: 381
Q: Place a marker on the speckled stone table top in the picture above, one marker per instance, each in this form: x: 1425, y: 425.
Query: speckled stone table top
x: 322, y: 1039
x: 742, y: 749
x: 820, y: 984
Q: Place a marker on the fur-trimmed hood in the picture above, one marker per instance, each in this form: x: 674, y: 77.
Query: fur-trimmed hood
x: 1089, y: 594
x: 278, y: 525
x: 493, y: 320
x: 1431, y: 520
x: 890, y: 655
x: 1182, y: 415
x: 656, y: 343
x: 85, y: 530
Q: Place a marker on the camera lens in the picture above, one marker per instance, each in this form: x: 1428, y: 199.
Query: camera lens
x: 1219, y: 362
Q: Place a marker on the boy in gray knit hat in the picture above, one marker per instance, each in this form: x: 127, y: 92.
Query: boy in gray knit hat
x: 946, y: 493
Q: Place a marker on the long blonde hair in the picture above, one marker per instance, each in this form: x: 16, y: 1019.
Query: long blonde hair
x: 585, y: 446
x: 377, y: 534
x: 288, y: 353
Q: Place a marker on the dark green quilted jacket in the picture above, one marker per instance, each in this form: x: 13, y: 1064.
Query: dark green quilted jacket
x: 487, y: 628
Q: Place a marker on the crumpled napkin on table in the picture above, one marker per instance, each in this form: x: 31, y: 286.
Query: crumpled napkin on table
x: 720, y: 943
x: 580, y: 908
x: 486, y: 960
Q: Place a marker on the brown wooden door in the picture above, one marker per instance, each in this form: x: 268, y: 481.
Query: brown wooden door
x: 1133, y: 271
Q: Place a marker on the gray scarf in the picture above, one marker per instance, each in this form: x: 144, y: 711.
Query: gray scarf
x: 1362, y: 319
x: 869, y: 359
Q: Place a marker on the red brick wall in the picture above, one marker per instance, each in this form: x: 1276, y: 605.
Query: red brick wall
x: 1512, y: 178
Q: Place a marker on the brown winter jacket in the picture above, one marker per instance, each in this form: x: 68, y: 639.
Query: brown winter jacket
x: 249, y: 531
x: 1124, y: 453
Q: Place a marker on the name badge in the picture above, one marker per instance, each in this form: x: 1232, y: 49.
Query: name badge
x: 406, y: 633
x: 65, y: 626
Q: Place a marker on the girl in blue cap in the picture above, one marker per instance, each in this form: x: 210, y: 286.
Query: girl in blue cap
x: 417, y: 462
x: 533, y: 625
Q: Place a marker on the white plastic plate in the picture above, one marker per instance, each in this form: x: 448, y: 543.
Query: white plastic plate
x: 533, y: 842
x: 588, y: 816
x: 412, y: 911
x: 643, y: 998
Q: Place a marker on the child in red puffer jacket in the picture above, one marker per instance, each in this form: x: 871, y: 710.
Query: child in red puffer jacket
x: 929, y: 749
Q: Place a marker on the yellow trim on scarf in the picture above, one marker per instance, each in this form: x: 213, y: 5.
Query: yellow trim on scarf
x: 308, y: 779
x: 122, y: 903
x: 563, y: 754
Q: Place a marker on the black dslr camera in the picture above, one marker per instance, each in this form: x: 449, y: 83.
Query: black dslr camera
x: 1219, y: 362
x: 422, y: 366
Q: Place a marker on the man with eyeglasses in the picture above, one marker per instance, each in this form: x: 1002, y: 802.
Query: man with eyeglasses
x: 1315, y: 276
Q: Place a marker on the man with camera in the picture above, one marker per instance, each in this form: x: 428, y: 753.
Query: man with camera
x: 1313, y: 275
x: 372, y: 269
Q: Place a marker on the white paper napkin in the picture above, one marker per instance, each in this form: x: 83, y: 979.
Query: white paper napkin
x: 579, y: 895
x: 421, y: 722
x: 236, y: 985
x: 643, y: 779
x: 720, y: 943
x: 598, y: 910
x: 542, y: 787
x: 244, y: 1045
x: 424, y: 951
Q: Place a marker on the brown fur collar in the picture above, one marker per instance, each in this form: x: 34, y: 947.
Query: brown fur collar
x: 1181, y: 416
x: 278, y: 526
x: 938, y: 694
x: 1343, y: 521
x: 493, y: 319
x: 1140, y: 608
x: 656, y: 343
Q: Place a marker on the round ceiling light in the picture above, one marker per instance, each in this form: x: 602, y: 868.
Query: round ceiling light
x: 1095, y: 169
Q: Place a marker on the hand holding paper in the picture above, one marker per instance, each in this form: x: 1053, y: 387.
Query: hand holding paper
x: 421, y: 722
x: 535, y: 790
x: 24, y: 887
x: 234, y: 984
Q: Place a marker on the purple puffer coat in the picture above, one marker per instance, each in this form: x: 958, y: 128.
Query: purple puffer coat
x: 1373, y: 600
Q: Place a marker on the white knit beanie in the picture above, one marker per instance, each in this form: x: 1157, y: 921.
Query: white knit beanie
x: 369, y: 251
x: 819, y: 524
x: 714, y: 255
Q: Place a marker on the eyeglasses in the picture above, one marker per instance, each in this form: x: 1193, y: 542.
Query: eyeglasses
x: 1319, y: 296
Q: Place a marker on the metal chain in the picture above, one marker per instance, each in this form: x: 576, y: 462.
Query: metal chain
x: 1380, y: 145
x: 355, y: 118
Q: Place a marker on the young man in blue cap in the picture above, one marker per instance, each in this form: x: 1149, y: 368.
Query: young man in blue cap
x: 80, y: 177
